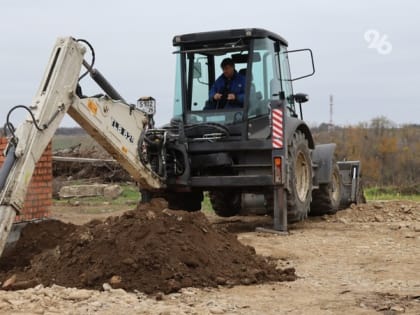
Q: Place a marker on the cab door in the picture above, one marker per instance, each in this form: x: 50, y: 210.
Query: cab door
x: 270, y: 76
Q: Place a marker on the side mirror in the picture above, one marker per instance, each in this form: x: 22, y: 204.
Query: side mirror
x: 300, y: 60
x: 301, y: 98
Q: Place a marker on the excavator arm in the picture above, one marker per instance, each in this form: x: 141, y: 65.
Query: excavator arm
x: 113, y: 123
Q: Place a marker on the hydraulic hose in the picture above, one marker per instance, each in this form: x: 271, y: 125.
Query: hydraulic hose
x: 7, y: 166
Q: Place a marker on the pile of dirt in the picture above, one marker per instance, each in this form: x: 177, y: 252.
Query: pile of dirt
x: 385, y: 211
x: 35, y: 238
x: 150, y: 250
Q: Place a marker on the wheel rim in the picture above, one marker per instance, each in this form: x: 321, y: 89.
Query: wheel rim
x: 302, y: 176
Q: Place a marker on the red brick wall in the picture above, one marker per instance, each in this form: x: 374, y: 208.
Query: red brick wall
x: 39, y: 195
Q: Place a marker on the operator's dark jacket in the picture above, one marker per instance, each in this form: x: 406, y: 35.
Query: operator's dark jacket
x: 224, y: 86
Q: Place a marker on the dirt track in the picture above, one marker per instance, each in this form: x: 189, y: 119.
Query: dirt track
x: 360, y: 261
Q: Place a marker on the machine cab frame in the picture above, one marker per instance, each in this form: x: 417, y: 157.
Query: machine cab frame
x: 260, y: 56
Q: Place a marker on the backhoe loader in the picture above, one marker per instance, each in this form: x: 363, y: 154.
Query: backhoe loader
x: 258, y: 156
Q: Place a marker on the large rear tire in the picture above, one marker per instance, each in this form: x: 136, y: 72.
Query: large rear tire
x: 225, y: 203
x: 326, y: 199
x: 300, y: 178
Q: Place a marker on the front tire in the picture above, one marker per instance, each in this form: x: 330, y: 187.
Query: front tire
x: 225, y: 203
x: 300, y: 178
x: 326, y: 199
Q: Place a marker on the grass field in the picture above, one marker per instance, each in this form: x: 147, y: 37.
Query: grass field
x: 386, y: 193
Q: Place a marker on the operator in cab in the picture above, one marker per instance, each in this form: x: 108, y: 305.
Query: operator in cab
x: 228, y: 91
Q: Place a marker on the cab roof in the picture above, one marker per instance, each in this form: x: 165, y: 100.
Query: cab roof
x: 225, y: 35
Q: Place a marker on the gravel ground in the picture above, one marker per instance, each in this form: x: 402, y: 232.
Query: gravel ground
x: 363, y: 260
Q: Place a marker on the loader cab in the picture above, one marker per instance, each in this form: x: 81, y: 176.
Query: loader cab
x: 259, y: 55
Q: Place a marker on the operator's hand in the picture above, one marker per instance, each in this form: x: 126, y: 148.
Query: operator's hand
x: 231, y: 97
x: 217, y: 96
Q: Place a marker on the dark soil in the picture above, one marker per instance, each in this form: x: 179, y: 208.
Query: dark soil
x: 35, y: 238
x: 148, y: 249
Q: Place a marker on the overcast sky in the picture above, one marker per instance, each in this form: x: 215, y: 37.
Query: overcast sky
x: 133, y: 44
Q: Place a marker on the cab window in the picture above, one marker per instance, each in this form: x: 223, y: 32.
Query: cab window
x: 202, y: 69
x: 264, y: 81
x: 270, y: 76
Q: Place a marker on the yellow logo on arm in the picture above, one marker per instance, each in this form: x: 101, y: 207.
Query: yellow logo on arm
x: 92, y: 107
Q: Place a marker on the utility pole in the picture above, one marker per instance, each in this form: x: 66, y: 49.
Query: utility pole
x: 331, y: 122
